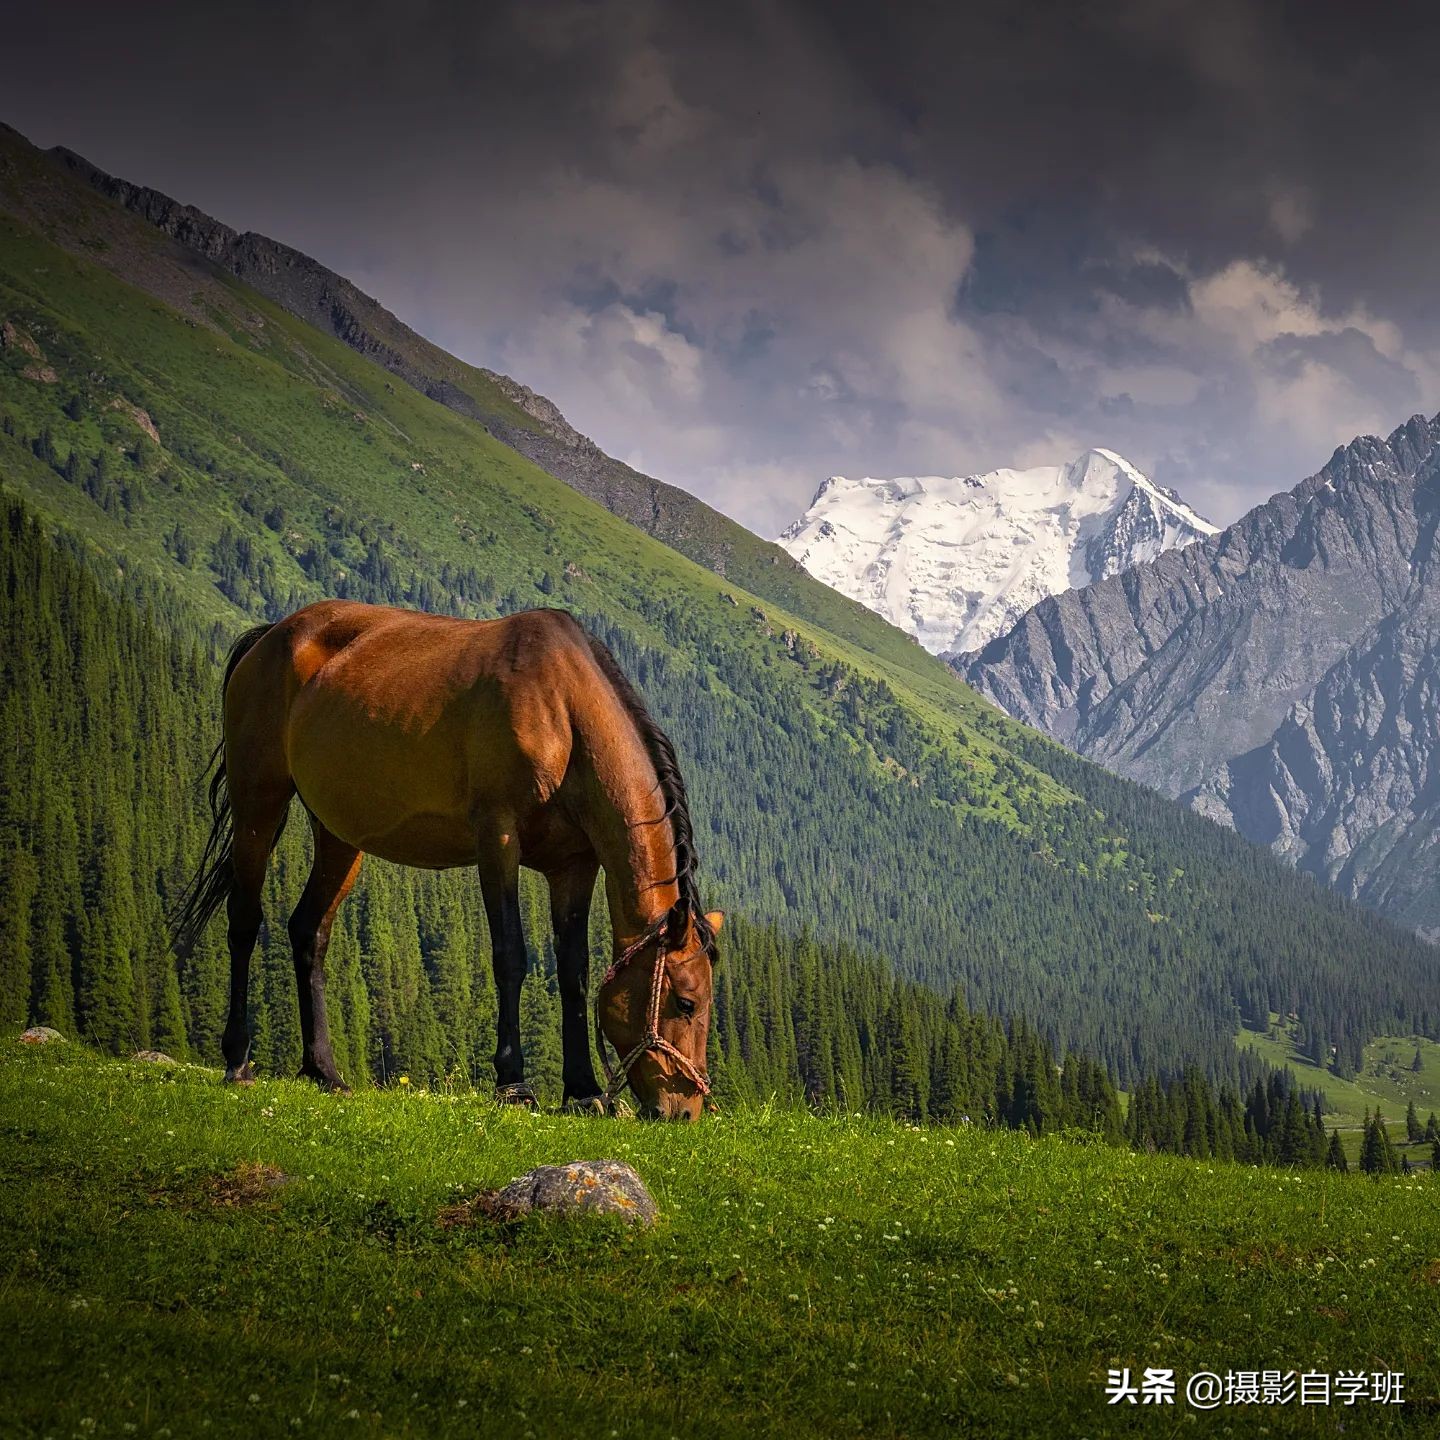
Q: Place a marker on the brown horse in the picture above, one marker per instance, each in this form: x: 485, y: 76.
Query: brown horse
x: 438, y: 742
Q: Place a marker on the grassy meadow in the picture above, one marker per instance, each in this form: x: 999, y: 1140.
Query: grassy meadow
x: 809, y: 1276
x: 1386, y: 1081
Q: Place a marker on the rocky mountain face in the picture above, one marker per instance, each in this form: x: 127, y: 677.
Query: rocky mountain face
x: 1282, y: 676
x: 512, y: 412
x: 956, y: 561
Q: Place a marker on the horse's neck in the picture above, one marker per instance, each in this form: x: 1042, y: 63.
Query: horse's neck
x: 640, y: 882
x: 634, y: 840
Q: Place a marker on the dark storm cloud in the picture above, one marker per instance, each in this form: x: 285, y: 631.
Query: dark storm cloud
x: 1150, y: 285
x: 748, y: 246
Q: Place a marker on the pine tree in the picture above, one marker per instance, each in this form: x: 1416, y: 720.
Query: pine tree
x: 1390, y: 1160
x: 1335, y: 1154
x: 1372, y: 1150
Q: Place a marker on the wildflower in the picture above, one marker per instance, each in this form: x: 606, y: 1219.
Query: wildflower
x: 404, y: 1079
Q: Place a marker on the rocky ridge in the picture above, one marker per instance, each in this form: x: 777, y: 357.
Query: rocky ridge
x: 1280, y: 676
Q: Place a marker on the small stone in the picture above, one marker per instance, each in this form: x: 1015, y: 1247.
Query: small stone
x: 40, y: 1035
x: 154, y: 1057
x: 583, y: 1187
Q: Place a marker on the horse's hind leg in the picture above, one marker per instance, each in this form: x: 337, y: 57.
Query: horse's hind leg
x: 259, y: 818
x: 335, y: 869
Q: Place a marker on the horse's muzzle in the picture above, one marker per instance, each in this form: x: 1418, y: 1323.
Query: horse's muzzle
x: 682, y: 1108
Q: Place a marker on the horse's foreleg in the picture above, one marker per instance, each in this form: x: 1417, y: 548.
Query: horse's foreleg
x: 570, y: 892
x: 500, y: 884
x: 252, y: 846
x: 335, y: 869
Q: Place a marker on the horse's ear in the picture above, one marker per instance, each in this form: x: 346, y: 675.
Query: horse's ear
x: 715, y: 919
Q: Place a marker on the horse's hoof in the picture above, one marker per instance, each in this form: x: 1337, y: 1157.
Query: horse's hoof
x: 517, y: 1094
x: 331, y: 1084
x: 243, y: 1076
x: 585, y: 1105
x: 620, y: 1108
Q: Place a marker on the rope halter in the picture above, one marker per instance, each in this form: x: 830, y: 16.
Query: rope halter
x: 653, y: 1040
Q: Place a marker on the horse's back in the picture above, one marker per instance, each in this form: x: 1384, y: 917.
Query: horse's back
x: 402, y: 730
x: 380, y: 649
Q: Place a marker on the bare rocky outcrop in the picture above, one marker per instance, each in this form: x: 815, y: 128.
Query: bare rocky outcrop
x: 140, y: 417
x: 15, y: 337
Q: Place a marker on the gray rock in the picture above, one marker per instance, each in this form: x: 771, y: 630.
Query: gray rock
x: 40, y: 1035
x: 583, y: 1187
x: 154, y: 1057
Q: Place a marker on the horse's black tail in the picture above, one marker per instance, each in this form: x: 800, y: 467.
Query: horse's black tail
x: 210, y: 887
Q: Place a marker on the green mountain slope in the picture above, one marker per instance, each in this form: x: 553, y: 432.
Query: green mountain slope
x: 208, y: 447
x: 513, y: 413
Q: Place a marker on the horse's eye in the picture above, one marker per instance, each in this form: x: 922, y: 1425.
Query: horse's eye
x: 685, y: 1007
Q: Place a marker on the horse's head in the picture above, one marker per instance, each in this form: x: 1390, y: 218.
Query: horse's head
x: 654, y: 1008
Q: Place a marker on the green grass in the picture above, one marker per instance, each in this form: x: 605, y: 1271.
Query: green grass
x: 808, y: 1277
x: 1385, y: 1080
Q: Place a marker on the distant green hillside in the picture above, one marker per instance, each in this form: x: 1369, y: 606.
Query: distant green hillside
x: 1386, y: 1078
x: 209, y: 449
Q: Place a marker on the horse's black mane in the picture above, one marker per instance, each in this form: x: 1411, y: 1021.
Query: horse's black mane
x: 672, y: 789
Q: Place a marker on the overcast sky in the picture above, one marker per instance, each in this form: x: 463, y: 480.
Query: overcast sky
x: 749, y: 246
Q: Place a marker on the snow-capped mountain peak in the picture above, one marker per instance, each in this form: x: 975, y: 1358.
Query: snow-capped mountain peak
x: 957, y: 560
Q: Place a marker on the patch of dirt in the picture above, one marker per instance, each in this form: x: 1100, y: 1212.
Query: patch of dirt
x: 252, y: 1182
x: 472, y: 1211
